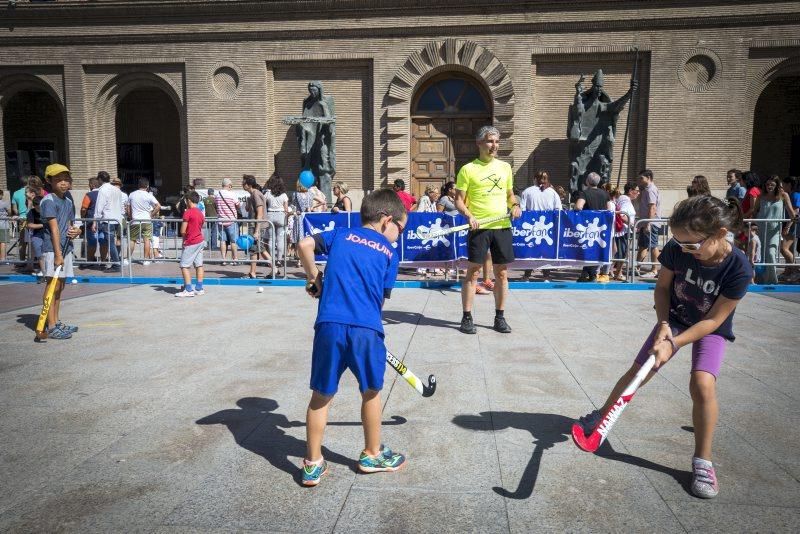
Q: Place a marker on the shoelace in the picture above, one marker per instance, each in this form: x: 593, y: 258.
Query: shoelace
x: 705, y: 475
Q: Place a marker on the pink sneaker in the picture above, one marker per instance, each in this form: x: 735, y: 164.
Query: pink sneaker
x: 488, y: 284
x: 704, y: 479
x: 480, y: 289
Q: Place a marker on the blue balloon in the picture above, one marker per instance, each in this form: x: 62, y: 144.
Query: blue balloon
x: 307, y: 178
x: 245, y: 241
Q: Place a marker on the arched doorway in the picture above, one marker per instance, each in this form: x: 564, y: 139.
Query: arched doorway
x: 33, y: 134
x: 445, y: 114
x: 148, y: 135
x: 776, y: 129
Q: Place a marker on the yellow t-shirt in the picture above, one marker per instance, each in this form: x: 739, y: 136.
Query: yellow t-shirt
x: 486, y: 187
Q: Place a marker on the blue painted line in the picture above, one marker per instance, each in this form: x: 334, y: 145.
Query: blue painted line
x: 402, y: 284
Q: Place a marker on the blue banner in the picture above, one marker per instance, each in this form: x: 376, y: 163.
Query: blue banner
x: 571, y: 236
x: 585, y: 235
x: 536, y: 235
x: 415, y: 247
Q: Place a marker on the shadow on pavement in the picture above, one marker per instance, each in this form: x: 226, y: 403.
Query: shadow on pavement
x: 397, y: 317
x: 256, y: 427
x: 28, y: 319
x: 167, y: 289
x: 547, y: 430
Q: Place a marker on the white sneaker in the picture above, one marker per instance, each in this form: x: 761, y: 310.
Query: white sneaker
x: 650, y: 275
x: 124, y: 262
x: 145, y: 262
x: 184, y: 293
x: 198, y: 292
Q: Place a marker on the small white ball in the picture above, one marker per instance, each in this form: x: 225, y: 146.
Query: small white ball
x: 260, y: 289
x: 74, y: 281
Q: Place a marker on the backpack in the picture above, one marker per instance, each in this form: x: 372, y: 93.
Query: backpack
x: 210, y: 207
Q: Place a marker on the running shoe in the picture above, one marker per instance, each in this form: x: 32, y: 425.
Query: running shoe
x: 386, y: 460
x: 468, y: 326
x: 603, y: 278
x: 501, y: 325
x: 589, y: 421
x: 649, y: 275
x: 704, y: 479
x: 184, y: 293
x: 480, y: 289
x: 68, y: 328
x: 198, y: 292
x: 58, y: 333
x: 313, y: 472
x: 488, y: 284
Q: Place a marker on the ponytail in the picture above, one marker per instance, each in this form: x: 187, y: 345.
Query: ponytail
x: 705, y: 215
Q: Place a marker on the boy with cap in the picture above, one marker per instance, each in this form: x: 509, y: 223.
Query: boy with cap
x: 58, y: 216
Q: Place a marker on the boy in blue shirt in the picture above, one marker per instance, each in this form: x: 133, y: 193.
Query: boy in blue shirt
x: 359, y: 275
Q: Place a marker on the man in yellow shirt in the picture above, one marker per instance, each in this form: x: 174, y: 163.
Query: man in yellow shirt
x: 486, y: 185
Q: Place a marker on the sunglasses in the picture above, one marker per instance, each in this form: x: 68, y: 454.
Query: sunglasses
x: 400, y: 227
x: 690, y: 246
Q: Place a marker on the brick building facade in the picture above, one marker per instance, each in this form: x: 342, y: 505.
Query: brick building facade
x: 196, y: 88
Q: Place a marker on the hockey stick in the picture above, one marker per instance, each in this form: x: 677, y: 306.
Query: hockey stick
x: 454, y: 229
x: 599, y: 434
x: 41, y: 324
x: 411, y: 378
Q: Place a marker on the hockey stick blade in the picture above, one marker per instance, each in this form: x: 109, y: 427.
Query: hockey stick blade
x: 411, y: 378
x: 592, y: 442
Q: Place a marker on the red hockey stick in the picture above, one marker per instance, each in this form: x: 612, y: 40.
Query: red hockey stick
x: 599, y: 434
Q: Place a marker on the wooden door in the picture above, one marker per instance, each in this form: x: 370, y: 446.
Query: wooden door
x: 431, y: 154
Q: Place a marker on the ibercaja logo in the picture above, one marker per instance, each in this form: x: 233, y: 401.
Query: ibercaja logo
x: 587, y: 234
x: 536, y: 232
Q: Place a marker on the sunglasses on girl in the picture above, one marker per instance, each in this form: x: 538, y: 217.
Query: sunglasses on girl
x: 690, y: 246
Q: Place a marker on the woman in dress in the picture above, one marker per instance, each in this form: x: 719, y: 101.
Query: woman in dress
x: 771, y: 205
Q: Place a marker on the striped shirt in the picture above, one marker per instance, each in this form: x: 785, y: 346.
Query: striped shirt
x: 226, y: 203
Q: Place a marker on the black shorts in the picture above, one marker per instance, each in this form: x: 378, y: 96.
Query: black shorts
x: 499, y: 242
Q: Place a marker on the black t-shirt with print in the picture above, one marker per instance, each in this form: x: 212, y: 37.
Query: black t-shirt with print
x: 696, y: 287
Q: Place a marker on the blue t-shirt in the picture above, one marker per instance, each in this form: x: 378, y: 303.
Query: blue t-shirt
x: 20, y: 201
x: 736, y: 191
x: 361, y: 270
x: 696, y: 287
x: 92, y: 203
x: 63, y: 211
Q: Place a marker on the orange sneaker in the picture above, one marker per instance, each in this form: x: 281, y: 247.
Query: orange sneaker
x: 488, y: 284
x: 480, y: 289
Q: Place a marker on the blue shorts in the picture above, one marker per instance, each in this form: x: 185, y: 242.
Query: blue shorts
x: 340, y: 346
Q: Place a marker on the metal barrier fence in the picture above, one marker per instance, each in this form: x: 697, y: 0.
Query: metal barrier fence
x: 771, y: 226
x: 95, y: 246
x: 118, y: 244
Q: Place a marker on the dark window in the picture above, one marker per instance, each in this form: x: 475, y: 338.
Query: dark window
x: 451, y: 95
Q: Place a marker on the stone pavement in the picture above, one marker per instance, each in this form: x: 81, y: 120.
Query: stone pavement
x: 169, y: 415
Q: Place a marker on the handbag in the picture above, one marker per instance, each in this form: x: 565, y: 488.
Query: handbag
x: 619, y: 223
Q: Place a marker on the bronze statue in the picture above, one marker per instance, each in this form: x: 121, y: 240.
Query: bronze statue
x: 316, y: 135
x: 591, y: 130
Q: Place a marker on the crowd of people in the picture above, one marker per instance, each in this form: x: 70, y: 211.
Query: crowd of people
x: 764, y: 199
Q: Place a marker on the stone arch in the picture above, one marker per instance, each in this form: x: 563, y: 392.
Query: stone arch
x: 14, y: 82
x: 439, y: 56
x: 776, y: 68
x: 106, y: 97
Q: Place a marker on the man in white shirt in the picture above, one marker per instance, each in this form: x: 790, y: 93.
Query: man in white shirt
x: 142, y: 206
x: 109, y: 207
x: 540, y: 197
